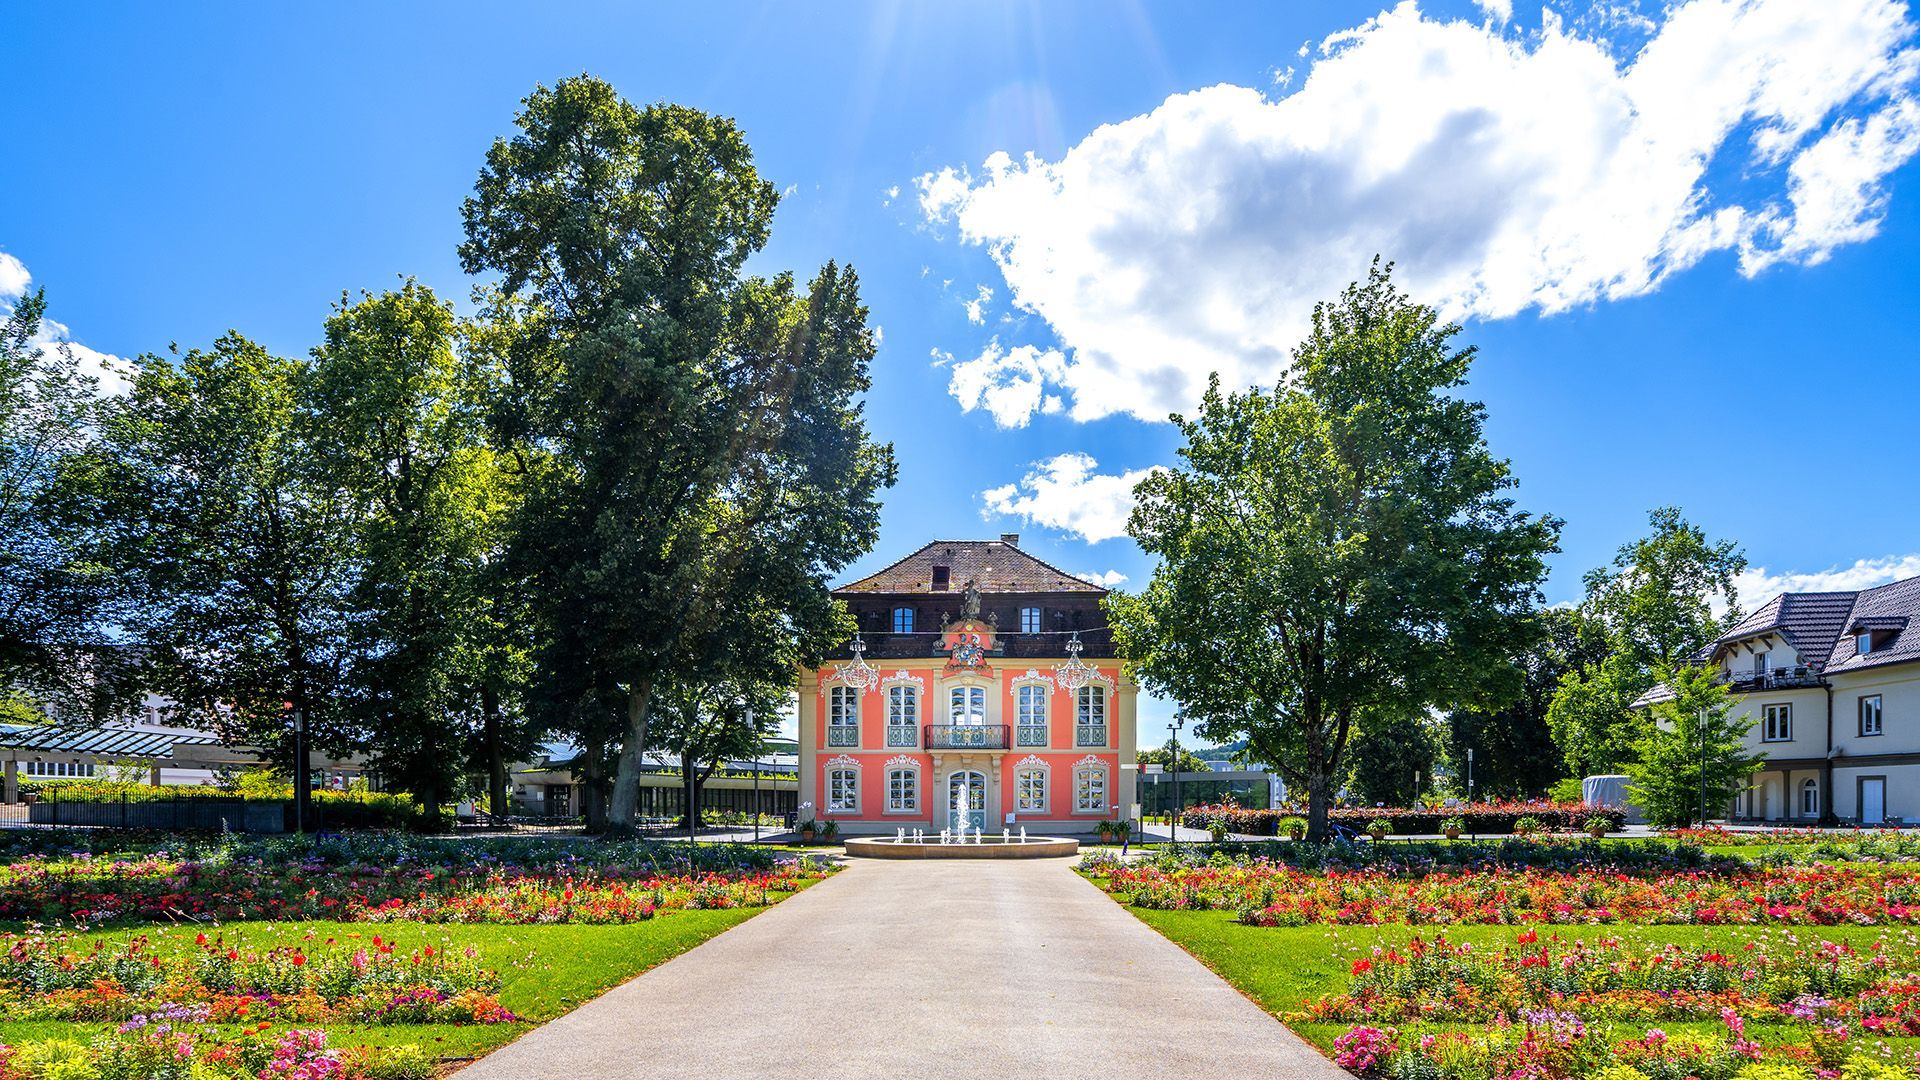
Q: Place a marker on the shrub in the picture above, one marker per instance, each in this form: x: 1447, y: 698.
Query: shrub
x: 1526, y: 825
x: 1217, y: 830
x: 1293, y: 828
x: 1494, y: 818
x: 1454, y: 824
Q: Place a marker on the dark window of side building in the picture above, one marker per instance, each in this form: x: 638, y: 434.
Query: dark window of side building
x: 903, y: 620
x: 1029, y: 620
x: 940, y: 574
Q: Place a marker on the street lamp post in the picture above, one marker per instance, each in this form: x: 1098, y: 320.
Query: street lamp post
x: 300, y: 797
x: 1703, y: 768
x: 1179, y: 718
x: 1470, y: 832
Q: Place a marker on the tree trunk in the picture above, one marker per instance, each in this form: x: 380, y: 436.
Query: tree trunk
x: 496, y: 757
x: 1319, y: 784
x: 626, y: 782
x: 592, y: 801
x: 690, y: 785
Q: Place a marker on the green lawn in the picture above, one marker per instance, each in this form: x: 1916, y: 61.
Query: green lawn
x: 545, y: 970
x: 1283, y: 968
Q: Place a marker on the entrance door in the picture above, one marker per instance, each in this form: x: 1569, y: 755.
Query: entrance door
x: 1873, y: 801
x: 967, y: 801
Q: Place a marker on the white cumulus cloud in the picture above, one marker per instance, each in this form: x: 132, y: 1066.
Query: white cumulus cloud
x: 1009, y: 383
x: 1065, y: 493
x: 1756, y: 585
x: 1105, y: 580
x: 1503, y: 170
x: 111, y: 371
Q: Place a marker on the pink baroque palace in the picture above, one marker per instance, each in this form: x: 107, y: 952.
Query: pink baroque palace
x: 981, y: 692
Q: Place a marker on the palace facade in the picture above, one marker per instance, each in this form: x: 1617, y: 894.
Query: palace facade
x: 981, y: 692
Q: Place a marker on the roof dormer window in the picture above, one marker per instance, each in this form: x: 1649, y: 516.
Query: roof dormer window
x: 1864, y: 643
x: 941, y: 576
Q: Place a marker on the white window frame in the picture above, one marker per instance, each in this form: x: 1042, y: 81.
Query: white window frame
x: 1810, y: 792
x: 903, y: 791
x: 1030, y: 707
x: 1031, y: 620
x: 961, y: 702
x: 1776, y: 724
x: 1863, y: 642
x: 1090, y: 789
x: 1090, y: 715
x: 1760, y: 664
x: 843, y: 790
x: 903, y: 620
x: 1030, y: 790
x: 1870, y: 706
x: 843, y: 716
x: 903, y: 716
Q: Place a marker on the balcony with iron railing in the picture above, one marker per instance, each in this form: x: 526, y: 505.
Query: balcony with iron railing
x: 1746, y: 681
x: 966, y: 736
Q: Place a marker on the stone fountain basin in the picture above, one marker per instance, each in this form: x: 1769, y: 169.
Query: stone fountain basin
x: 989, y: 847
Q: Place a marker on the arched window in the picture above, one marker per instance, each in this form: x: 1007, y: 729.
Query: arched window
x: 1810, y: 799
x: 1090, y: 790
x: 1030, y: 791
x: 1031, y: 702
x: 843, y: 716
x: 903, y: 716
x: 843, y: 791
x: 903, y: 791
x: 1090, y: 716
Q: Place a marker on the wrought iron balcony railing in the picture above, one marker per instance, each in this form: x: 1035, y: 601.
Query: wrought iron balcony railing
x: 966, y: 737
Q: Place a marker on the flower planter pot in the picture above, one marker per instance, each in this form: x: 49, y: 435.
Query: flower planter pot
x: 1453, y: 834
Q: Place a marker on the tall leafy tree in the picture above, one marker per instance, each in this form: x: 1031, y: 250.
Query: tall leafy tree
x: 1334, y: 547
x: 706, y: 725
x: 1693, y: 756
x: 1392, y: 757
x: 1514, y: 752
x: 695, y: 443
x: 395, y: 420
x: 237, y: 551
x: 54, y: 598
x: 1656, y: 604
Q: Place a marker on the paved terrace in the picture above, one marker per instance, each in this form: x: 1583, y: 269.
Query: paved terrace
x: 924, y: 969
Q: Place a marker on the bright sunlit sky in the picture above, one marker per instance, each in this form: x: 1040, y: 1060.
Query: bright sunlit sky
x: 1681, y: 237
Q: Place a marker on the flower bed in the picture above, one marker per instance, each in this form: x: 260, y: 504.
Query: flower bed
x: 57, y: 977
x: 1492, y: 818
x: 1559, y: 1046
x: 1608, y: 979
x: 173, y: 1048
x: 94, y: 890
x: 1264, y: 894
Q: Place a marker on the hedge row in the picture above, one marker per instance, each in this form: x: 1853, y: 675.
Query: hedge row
x: 336, y: 809
x: 1491, y: 820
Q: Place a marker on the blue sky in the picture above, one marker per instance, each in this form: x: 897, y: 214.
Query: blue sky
x: 1682, y: 241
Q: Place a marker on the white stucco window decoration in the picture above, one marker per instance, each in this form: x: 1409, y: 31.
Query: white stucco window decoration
x: 1776, y: 723
x: 1031, y: 693
x: 843, y: 716
x: 1090, y: 786
x: 903, y: 716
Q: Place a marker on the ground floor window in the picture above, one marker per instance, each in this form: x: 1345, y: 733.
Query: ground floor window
x: 1030, y: 791
x: 1810, y: 798
x: 903, y: 790
x: 843, y: 791
x: 1090, y: 791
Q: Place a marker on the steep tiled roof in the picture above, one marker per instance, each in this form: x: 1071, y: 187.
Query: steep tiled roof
x: 994, y: 566
x: 1811, y: 622
x: 1820, y: 625
x: 1876, y: 609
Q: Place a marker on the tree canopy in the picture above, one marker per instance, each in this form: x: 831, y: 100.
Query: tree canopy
x: 1336, y: 547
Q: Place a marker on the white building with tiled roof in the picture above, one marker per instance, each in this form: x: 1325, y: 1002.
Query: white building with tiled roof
x: 1832, y: 684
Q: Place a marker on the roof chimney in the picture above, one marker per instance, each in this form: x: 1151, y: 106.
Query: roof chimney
x: 1012, y: 540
